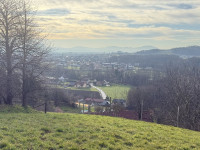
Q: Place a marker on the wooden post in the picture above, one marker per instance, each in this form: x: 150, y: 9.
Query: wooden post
x: 110, y: 104
x: 141, y: 117
x: 83, y: 108
x: 177, y: 119
x: 88, y: 109
x: 45, y: 107
x: 45, y: 104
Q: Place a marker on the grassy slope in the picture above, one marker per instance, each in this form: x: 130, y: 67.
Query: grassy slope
x: 116, y: 91
x: 75, y: 131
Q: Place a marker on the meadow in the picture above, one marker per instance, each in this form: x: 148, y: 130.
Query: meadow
x: 116, y: 91
x: 35, y: 130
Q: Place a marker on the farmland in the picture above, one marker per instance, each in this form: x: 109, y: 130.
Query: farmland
x: 35, y: 130
x: 116, y: 91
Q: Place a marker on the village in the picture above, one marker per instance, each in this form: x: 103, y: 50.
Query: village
x: 99, y: 103
x: 95, y: 84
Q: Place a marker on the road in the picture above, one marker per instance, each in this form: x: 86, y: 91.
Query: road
x: 102, y: 93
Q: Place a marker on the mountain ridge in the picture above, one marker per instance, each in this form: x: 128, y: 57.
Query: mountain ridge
x: 182, y: 51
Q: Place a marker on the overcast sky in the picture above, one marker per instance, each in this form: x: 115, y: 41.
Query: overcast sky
x: 125, y: 23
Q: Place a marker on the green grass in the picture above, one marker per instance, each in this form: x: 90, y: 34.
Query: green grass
x: 54, y: 131
x: 70, y: 109
x: 116, y: 91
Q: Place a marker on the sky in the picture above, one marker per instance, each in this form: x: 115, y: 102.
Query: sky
x: 124, y: 23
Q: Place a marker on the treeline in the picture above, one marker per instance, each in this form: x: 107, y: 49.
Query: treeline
x: 111, y: 75
x: 173, y: 100
x: 155, y: 61
x: 22, y: 52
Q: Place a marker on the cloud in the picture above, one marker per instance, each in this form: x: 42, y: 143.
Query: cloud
x: 182, y: 6
x: 53, y: 12
x: 120, y: 19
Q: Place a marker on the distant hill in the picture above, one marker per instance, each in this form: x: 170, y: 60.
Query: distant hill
x: 188, y: 51
x: 181, y: 51
x: 75, y: 131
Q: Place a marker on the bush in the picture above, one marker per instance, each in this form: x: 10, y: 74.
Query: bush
x: 98, y: 109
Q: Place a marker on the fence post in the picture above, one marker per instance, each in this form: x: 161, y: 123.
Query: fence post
x: 45, y: 104
x: 89, y: 109
x: 110, y: 104
x: 45, y: 107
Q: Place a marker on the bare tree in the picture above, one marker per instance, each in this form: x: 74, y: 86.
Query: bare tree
x: 140, y: 99
x: 176, y: 97
x: 22, y: 49
x: 32, y: 52
x: 9, y: 13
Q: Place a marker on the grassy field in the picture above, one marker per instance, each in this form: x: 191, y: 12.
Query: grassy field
x: 54, y: 131
x: 116, y: 91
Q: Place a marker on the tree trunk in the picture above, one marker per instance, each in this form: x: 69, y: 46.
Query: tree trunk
x: 9, y: 94
x: 9, y: 88
x: 24, y: 79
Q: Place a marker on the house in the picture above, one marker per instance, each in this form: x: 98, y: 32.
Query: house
x: 71, y: 84
x: 82, y: 84
x: 93, y: 101
x: 105, y: 104
x: 106, y: 83
x: 99, y: 83
x: 51, y: 80
x: 61, y: 79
